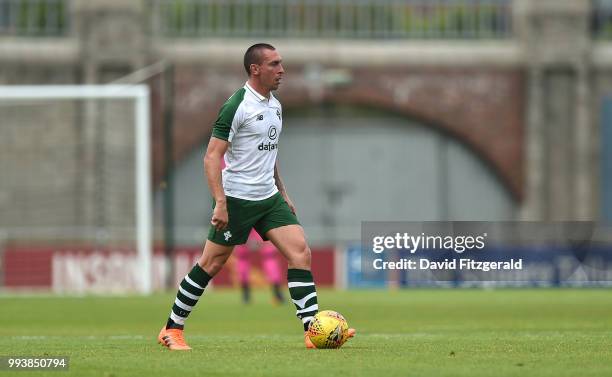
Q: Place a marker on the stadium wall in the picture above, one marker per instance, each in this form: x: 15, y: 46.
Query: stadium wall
x: 84, y: 269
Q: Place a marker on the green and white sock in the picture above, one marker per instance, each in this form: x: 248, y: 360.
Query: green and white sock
x: 191, y: 288
x: 303, y: 294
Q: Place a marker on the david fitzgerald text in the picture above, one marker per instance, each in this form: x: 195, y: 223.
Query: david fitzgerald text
x: 448, y: 265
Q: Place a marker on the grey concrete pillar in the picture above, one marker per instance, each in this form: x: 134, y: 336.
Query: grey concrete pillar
x: 112, y: 33
x: 584, y: 174
x: 533, y: 206
x: 113, y: 42
x: 555, y: 38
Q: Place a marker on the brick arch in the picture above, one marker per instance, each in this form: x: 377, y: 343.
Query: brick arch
x: 500, y: 167
x: 482, y: 108
x: 490, y: 128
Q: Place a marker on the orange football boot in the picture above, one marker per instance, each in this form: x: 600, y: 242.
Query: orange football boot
x: 173, y: 339
x: 351, y: 333
x: 308, y: 342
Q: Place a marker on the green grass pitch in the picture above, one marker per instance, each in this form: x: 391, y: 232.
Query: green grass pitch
x: 517, y: 332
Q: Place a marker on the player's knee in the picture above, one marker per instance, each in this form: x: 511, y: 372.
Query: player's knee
x: 301, y: 255
x: 212, y: 265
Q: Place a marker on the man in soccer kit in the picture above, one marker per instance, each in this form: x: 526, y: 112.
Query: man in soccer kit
x: 249, y: 194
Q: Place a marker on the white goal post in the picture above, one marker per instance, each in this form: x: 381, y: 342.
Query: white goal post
x: 140, y: 95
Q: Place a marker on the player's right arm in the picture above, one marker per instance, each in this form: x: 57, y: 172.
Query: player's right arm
x: 225, y: 128
x: 212, y: 166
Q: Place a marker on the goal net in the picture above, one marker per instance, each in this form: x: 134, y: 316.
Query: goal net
x: 75, y: 188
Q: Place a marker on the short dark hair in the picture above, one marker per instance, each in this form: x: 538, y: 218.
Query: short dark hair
x: 253, y: 55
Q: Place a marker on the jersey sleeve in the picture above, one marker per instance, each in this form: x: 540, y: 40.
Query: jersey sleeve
x: 229, y: 118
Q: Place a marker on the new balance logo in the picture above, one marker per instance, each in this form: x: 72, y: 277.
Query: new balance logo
x: 227, y: 235
x: 260, y: 117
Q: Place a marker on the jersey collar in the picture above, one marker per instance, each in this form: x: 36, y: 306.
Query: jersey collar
x: 256, y: 94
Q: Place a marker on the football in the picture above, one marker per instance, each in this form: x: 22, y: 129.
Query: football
x: 328, y: 329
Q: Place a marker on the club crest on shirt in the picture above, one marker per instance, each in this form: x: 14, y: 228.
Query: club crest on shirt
x: 272, y: 133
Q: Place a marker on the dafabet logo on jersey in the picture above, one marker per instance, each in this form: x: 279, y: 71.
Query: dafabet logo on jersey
x: 272, y: 135
x: 267, y: 147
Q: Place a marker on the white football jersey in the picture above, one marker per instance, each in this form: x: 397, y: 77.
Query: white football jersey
x: 252, y: 124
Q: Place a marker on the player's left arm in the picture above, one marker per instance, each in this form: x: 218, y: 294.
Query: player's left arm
x: 281, y: 187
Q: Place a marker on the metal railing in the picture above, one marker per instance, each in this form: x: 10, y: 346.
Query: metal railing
x: 33, y: 17
x: 355, y: 19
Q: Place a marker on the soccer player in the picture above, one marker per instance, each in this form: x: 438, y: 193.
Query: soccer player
x: 270, y: 265
x: 248, y: 193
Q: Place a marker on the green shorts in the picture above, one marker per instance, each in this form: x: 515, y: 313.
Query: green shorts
x: 244, y: 215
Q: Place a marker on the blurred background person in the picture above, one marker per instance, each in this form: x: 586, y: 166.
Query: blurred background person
x: 269, y: 264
